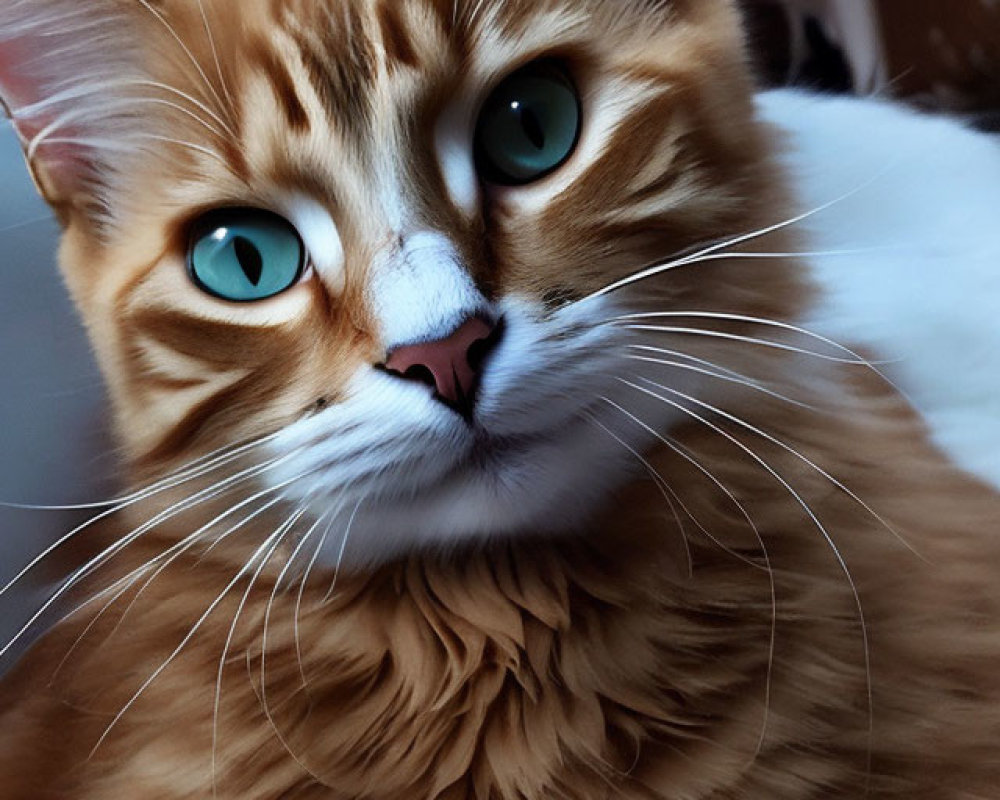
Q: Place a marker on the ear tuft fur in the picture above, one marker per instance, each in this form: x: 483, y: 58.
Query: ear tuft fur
x: 68, y: 72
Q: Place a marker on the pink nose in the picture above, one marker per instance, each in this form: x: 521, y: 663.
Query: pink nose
x: 452, y: 365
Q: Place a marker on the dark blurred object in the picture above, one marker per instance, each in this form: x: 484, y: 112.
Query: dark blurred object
x: 796, y: 51
x: 945, y: 54
x: 941, y: 55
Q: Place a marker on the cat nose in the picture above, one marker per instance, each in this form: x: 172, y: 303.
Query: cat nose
x: 452, y: 365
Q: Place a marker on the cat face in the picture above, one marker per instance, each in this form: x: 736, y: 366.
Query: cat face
x: 385, y: 248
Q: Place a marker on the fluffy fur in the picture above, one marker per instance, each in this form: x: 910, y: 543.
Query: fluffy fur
x: 687, y: 549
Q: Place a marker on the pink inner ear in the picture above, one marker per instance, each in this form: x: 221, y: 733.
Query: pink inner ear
x: 58, y: 164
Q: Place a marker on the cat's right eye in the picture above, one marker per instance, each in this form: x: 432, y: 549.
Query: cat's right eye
x: 244, y: 255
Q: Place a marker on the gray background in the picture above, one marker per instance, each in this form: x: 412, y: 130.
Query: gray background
x: 53, y: 445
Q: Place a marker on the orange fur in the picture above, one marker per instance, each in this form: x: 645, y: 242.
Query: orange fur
x: 581, y: 666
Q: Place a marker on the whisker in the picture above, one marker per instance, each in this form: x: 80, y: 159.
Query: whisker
x: 665, y: 489
x: 215, y: 57
x: 278, y: 537
x: 704, y: 362
x: 166, y: 87
x: 771, y: 323
x: 114, y: 145
x: 672, y: 444
x: 197, y: 148
x: 804, y: 459
x: 263, y: 653
x: 724, y: 317
x: 753, y: 385
x: 130, y: 501
x: 26, y: 223
x: 340, y: 555
x: 171, y: 555
x: 731, y: 242
x: 296, y: 625
x: 109, y: 553
x: 768, y: 566
x: 84, y: 90
x: 183, y: 46
x: 193, y: 469
x: 263, y: 553
x: 735, y: 337
x: 185, y: 111
x: 828, y: 538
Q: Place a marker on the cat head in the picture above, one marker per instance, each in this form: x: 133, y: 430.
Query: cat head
x: 380, y: 255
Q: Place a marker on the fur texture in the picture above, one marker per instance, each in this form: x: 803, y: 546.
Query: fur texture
x: 685, y: 549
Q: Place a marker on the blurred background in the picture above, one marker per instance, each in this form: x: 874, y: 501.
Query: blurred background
x: 937, y: 54
x: 54, y: 447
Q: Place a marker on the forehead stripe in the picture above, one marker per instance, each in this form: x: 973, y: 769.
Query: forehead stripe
x: 282, y: 84
x: 395, y: 37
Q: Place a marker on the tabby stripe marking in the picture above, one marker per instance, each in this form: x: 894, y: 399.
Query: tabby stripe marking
x: 282, y: 85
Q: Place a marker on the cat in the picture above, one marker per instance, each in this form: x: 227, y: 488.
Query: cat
x: 483, y: 433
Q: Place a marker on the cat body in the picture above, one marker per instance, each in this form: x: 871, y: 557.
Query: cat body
x: 682, y: 538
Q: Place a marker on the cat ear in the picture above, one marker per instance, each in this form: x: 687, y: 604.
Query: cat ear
x: 63, y: 67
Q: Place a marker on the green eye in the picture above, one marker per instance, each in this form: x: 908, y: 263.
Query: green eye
x: 529, y: 126
x: 244, y: 255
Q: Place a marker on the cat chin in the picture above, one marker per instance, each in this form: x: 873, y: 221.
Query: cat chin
x: 548, y: 488
x: 391, y: 470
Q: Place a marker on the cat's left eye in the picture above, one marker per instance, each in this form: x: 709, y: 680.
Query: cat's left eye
x: 529, y: 126
x: 245, y: 255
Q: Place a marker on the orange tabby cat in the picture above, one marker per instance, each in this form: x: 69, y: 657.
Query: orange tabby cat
x: 452, y: 478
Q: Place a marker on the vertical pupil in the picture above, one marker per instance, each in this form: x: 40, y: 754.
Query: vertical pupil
x: 250, y: 259
x: 532, y: 127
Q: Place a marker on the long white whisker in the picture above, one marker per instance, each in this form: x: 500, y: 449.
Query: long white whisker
x: 828, y: 538
x: 704, y: 362
x: 752, y: 385
x: 183, y: 46
x: 340, y: 555
x: 175, y: 552
x: 123, y: 543
x: 168, y: 557
x: 672, y: 444
x: 735, y: 337
x: 185, y: 111
x: 263, y: 553
x: 768, y: 567
x: 215, y: 57
x: 263, y: 653
x: 278, y: 536
x: 82, y: 90
x: 298, y: 600
x: 771, y: 323
x: 193, y: 469
x: 166, y: 87
x: 661, y: 484
x: 114, y: 145
x: 724, y: 317
x: 26, y: 223
x: 131, y: 500
x: 804, y: 459
x: 731, y: 242
x: 197, y: 148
